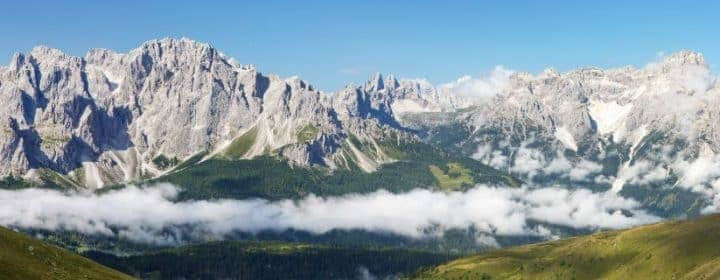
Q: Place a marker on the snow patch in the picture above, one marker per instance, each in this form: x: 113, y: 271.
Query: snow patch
x: 566, y: 138
x: 617, y: 185
x: 637, y: 138
x: 363, y: 161
x: 621, y: 178
x: 608, y: 116
x: 92, y: 176
x: 113, y: 78
x: 403, y: 106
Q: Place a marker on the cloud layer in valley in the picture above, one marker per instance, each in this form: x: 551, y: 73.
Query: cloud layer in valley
x: 150, y: 214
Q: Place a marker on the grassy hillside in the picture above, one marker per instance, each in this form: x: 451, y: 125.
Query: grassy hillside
x: 22, y: 257
x: 673, y: 250
x: 456, y: 176
x: 271, y: 177
x: 270, y: 260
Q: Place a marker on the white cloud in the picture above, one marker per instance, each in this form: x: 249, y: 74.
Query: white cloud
x: 583, y: 208
x: 491, y: 242
x: 150, y: 214
x: 583, y: 169
x: 701, y: 175
x: 579, y: 171
x: 529, y: 162
x: 641, y: 172
x: 480, y: 89
x: 558, y: 166
x: 698, y: 172
x: 493, y: 158
x: 684, y: 92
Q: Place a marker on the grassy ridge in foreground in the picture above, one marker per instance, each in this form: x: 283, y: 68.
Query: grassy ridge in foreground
x: 22, y: 257
x: 673, y: 250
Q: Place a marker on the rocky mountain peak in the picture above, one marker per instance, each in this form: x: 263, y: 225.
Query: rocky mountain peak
x: 685, y: 57
x: 42, y: 51
x: 377, y: 82
x: 182, y: 45
x: 16, y: 61
x: 48, y: 57
x: 549, y: 73
x: 98, y: 55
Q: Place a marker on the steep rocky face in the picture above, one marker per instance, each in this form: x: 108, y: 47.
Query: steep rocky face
x: 577, y: 106
x: 607, y: 102
x: 50, y: 118
x: 649, y: 133
x: 106, y: 117
x: 623, y: 105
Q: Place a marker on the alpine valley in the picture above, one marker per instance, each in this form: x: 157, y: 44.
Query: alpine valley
x: 301, y: 178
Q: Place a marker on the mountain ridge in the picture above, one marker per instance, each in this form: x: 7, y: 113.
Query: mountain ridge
x: 111, y: 106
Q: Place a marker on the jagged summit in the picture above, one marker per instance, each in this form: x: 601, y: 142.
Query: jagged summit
x: 549, y: 73
x: 42, y: 51
x: 685, y: 57
x: 377, y: 82
x: 169, y: 41
x: 173, y: 46
x: 107, y: 117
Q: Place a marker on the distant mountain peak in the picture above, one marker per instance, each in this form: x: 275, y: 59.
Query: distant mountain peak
x: 685, y: 57
x: 182, y: 42
x: 45, y: 54
x: 379, y: 82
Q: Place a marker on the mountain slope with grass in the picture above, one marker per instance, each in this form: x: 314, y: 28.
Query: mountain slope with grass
x: 22, y: 257
x: 417, y: 165
x: 687, y: 249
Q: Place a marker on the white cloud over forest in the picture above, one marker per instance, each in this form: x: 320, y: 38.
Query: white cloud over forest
x: 150, y: 214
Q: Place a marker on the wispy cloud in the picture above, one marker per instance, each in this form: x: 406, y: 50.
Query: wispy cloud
x: 482, y: 88
x: 530, y: 162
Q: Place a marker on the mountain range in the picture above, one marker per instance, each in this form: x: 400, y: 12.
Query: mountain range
x: 110, y: 118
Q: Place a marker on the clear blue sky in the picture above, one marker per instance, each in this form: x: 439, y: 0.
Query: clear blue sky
x: 332, y: 43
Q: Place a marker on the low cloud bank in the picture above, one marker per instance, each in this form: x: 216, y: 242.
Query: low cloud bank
x: 150, y: 215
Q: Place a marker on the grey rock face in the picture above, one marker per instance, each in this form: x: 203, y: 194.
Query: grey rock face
x: 593, y: 127
x: 105, y: 117
x: 595, y: 103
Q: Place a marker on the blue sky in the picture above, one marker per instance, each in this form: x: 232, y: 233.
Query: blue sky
x: 332, y: 43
